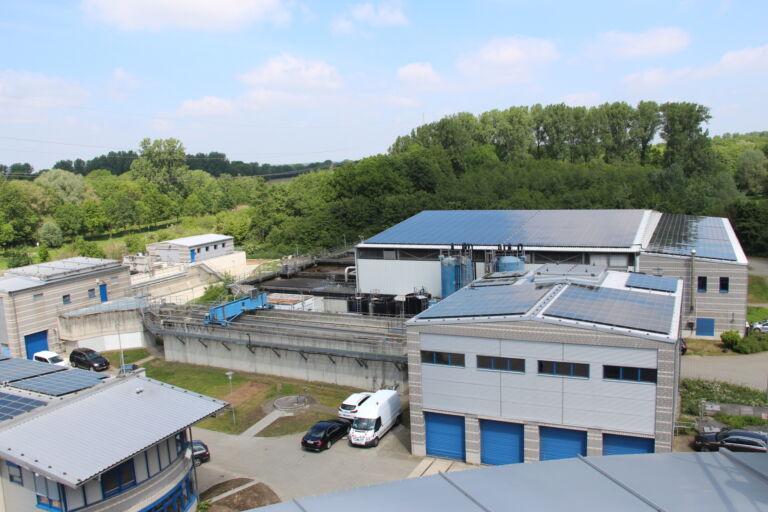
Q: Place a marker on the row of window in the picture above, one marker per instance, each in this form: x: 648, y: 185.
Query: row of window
x: 208, y: 247
x: 67, y: 299
x: 701, y: 284
x: 559, y: 368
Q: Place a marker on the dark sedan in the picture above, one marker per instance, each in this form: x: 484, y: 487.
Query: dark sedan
x: 323, y: 434
x: 200, y: 452
x: 734, y: 440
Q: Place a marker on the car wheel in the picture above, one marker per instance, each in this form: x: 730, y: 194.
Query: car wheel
x: 90, y: 368
x: 375, y: 441
x: 704, y: 449
x: 328, y: 446
x: 757, y: 330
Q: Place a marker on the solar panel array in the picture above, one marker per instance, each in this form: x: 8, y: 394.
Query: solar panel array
x: 12, y: 405
x: 488, y: 301
x: 14, y: 369
x: 678, y: 234
x: 618, y: 308
x: 662, y: 284
x: 61, y: 383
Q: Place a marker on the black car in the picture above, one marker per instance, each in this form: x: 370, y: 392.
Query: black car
x: 323, y: 434
x: 88, y: 359
x: 200, y: 452
x: 734, y: 440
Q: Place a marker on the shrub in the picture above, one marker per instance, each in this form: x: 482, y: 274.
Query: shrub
x: 730, y: 338
x: 17, y: 258
x: 740, y: 421
x: 88, y: 249
x: 695, y: 390
x: 752, y: 344
x: 135, y: 244
x: 50, y: 234
x: 43, y: 254
x: 115, y: 250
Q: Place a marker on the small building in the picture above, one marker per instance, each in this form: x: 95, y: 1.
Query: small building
x: 567, y: 362
x: 424, y: 251
x: 33, y: 297
x: 192, y: 249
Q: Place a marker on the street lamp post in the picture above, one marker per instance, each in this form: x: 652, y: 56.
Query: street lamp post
x: 120, y: 347
x: 229, y: 375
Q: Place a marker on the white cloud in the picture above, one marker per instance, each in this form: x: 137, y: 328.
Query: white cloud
x: 186, y: 14
x: 653, y: 42
x: 578, y: 99
x: 286, y: 71
x: 259, y: 99
x: 508, y: 60
x: 36, y: 90
x: 207, y: 106
x: 747, y: 60
x: 382, y: 14
x: 121, y: 84
x: 419, y: 75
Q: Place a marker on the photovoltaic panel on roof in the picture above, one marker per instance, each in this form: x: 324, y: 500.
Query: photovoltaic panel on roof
x: 12, y: 405
x: 678, y: 234
x: 14, y: 369
x: 618, y: 308
x: 60, y: 383
x: 662, y: 284
x: 487, y: 301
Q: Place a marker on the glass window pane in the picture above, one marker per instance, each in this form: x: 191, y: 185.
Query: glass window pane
x: 580, y: 370
x: 427, y: 357
x: 442, y: 358
x: 724, y: 284
x: 647, y: 375
x: 457, y: 359
x: 484, y: 362
x: 516, y: 365
x: 547, y: 367
x: 562, y: 368
x: 702, y: 283
x: 611, y: 372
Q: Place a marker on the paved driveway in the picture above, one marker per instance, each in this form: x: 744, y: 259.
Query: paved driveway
x: 292, y: 472
x: 748, y: 370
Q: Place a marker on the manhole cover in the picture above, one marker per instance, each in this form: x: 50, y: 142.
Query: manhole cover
x: 290, y: 402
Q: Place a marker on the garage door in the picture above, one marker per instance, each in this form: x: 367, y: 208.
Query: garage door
x: 561, y: 443
x: 626, y: 445
x: 445, y: 435
x: 36, y: 342
x: 500, y: 442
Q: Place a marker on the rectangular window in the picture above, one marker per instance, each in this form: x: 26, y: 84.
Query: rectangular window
x: 702, y: 284
x: 506, y: 364
x: 629, y: 373
x: 181, y: 441
x: 91, y: 293
x: 207, y: 248
x: 47, y: 494
x: 215, y: 246
x: 725, y: 284
x: 444, y: 358
x: 564, y: 369
x: 14, y: 473
x: 66, y: 299
x: 118, y: 479
x: 37, y: 297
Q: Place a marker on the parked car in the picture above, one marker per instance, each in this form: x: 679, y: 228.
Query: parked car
x: 323, y: 434
x: 88, y: 359
x: 733, y: 439
x: 349, y: 407
x: 200, y: 452
x: 759, y: 327
x: 47, y: 356
x: 683, y: 347
x: 377, y: 415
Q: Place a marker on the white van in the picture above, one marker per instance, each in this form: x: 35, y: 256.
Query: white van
x: 375, y: 417
x: 47, y: 356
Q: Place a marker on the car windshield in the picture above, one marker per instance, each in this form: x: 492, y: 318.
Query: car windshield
x: 364, y: 424
x: 198, y: 447
x: 92, y: 355
x: 318, y: 430
x: 55, y: 359
x: 722, y: 434
x: 347, y: 407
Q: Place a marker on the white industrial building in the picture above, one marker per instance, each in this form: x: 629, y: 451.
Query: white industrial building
x: 703, y: 251
x: 192, y: 249
x: 569, y: 361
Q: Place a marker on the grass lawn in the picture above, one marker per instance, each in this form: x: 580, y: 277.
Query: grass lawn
x: 758, y: 289
x: 250, y: 391
x: 130, y: 355
x: 756, y: 314
x: 706, y: 348
x: 294, y: 424
x: 693, y: 391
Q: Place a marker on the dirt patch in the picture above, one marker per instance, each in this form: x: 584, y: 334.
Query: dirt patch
x: 223, y: 487
x: 251, y: 261
x: 683, y: 443
x: 257, y: 495
x: 246, y: 392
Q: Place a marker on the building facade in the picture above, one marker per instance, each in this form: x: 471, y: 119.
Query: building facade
x: 191, y: 249
x: 33, y: 297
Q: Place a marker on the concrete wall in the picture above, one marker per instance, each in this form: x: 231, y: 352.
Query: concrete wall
x: 728, y: 309
x: 178, y: 288
x: 234, y: 264
x: 398, y: 277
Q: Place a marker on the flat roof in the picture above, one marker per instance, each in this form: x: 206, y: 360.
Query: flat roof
x: 658, y: 481
x: 124, y: 304
x: 110, y: 423
x: 194, y: 241
x: 58, y: 269
x: 710, y: 237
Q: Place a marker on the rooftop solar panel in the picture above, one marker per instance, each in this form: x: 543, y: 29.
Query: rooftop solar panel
x: 14, y: 369
x: 12, y: 405
x: 662, y: 284
x: 488, y: 301
x: 678, y: 234
x: 619, y: 308
x: 60, y: 383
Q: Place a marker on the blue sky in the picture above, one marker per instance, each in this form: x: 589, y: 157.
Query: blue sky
x: 284, y: 81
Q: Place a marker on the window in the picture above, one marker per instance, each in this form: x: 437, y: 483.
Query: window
x: 501, y: 363
x: 564, y: 369
x: 207, y: 248
x: 702, y: 284
x: 215, y: 246
x: 91, y: 293
x: 390, y: 254
x: 198, y: 250
x: 66, y: 299
x: 176, y: 500
x: 118, y: 479
x: 725, y: 284
x: 629, y: 373
x: 444, y: 358
x: 37, y: 297
x: 14, y: 473
x: 370, y: 254
x: 181, y: 441
x: 47, y: 494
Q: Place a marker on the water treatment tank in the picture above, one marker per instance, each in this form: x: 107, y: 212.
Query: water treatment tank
x: 415, y: 303
x: 358, y: 304
x: 384, y: 305
x: 510, y: 264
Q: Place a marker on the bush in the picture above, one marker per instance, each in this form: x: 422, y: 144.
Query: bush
x: 752, y: 344
x: 43, y: 254
x: 88, y: 249
x: 135, y: 244
x: 115, y: 250
x: 695, y: 390
x: 730, y: 339
x: 740, y: 421
x: 50, y: 234
x: 17, y: 258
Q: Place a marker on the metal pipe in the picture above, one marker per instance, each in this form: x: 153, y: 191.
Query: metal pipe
x: 693, y: 278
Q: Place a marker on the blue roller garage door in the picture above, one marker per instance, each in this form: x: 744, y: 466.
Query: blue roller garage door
x: 445, y: 435
x: 500, y: 442
x: 35, y: 343
x: 560, y: 443
x: 626, y: 445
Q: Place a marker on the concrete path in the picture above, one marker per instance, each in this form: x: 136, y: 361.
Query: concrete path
x: 432, y: 466
x: 264, y: 422
x: 748, y: 370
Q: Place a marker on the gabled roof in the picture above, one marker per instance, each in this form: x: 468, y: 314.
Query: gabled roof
x: 194, y: 241
x: 106, y: 425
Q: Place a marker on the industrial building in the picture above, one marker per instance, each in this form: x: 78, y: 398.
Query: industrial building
x: 192, y: 248
x: 571, y: 360
x: 127, y: 447
x: 33, y: 297
x: 441, y: 251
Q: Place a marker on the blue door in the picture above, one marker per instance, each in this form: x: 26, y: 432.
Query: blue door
x: 445, y: 435
x: 626, y: 445
x: 560, y: 443
x: 103, y: 293
x: 36, y: 342
x: 192, y: 256
x: 501, y: 442
x: 705, y: 327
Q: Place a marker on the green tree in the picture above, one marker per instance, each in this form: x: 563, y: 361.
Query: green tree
x: 615, y: 122
x: 193, y: 205
x: 42, y: 254
x: 688, y: 143
x: 645, y: 126
x: 17, y: 258
x: 50, y: 234
x: 87, y: 249
x: 751, y: 171
x: 162, y: 162
x: 94, y: 218
x: 70, y: 219
x: 71, y: 187
x: 556, y: 128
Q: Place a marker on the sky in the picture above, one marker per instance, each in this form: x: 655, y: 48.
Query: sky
x: 289, y: 81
